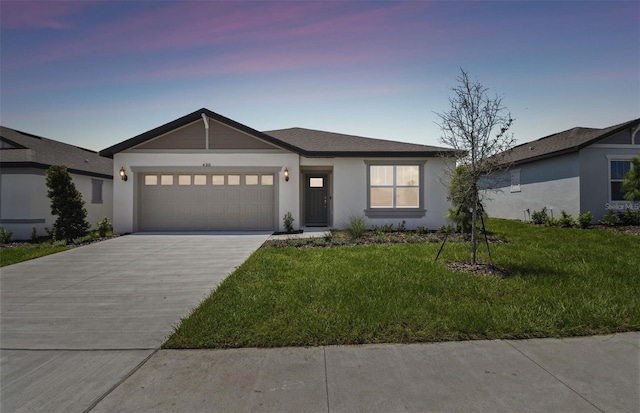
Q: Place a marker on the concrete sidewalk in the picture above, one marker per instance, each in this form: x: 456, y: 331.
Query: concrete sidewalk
x: 590, y: 374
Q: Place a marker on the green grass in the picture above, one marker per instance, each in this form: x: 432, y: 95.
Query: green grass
x: 26, y: 252
x: 563, y: 282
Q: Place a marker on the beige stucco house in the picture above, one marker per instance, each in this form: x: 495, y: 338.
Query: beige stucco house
x: 204, y: 172
x: 24, y: 158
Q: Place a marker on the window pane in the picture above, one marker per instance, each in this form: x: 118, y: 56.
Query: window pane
x: 266, y: 179
x: 200, y: 179
x: 151, y: 179
x: 166, y: 180
x: 217, y: 180
x: 619, y: 169
x: 381, y: 174
x: 381, y: 197
x: 407, y: 197
x: 316, y: 182
x: 184, y: 179
x: 407, y: 175
x: 251, y: 180
x: 616, y: 191
x: 96, y: 191
x: 233, y: 179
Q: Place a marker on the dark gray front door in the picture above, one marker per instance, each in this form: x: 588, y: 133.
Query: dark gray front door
x: 316, y: 197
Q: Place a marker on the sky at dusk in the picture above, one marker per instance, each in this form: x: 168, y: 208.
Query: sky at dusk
x: 93, y: 73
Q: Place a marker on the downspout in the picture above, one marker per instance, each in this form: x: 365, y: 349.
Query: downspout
x: 206, y: 128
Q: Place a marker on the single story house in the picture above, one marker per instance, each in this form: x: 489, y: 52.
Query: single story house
x: 204, y: 171
x: 24, y: 204
x: 577, y: 170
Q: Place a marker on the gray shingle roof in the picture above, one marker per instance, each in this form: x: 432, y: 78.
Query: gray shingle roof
x: 36, y: 151
x: 571, y: 140
x: 305, y: 142
x: 315, y: 141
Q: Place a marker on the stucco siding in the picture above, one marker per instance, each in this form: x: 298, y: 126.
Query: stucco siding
x: 24, y: 202
x: 552, y: 183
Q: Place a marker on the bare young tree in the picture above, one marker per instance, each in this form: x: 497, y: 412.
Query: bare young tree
x: 477, y: 126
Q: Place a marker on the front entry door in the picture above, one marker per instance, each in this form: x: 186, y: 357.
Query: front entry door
x: 316, y: 200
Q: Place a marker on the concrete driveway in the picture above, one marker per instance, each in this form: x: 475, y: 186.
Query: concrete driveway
x: 75, y: 324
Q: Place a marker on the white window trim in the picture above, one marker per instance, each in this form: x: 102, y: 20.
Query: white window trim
x: 518, y: 187
x: 418, y: 212
x: 616, y: 158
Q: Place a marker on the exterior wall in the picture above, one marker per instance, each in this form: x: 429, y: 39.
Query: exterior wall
x: 553, y: 183
x: 24, y: 204
x: 350, y: 194
x: 126, y: 193
x: 594, y: 177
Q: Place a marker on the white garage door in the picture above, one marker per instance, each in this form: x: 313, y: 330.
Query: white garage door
x: 206, y: 202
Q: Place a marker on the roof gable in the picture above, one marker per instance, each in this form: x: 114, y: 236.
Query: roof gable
x: 305, y: 142
x: 561, y: 143
x: 35, y: 151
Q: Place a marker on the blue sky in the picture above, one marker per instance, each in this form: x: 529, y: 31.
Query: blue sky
x: 96, y: 73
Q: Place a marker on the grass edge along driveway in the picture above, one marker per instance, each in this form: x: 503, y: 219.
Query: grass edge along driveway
x: 562, y: 282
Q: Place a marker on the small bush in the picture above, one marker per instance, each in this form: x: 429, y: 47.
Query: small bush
x: 585, y: 220
x: 629, y: 217
x: 328, y: 236
x: 566, y: 220
x: 539, y: 217
x: 446, y: 229
x: 105, y: 227
x: 422, y: 230
x: 5, y: 235
x: 402, y: 226
x: 34, y: 235
x: 609, y: 219
x: 288, y: 222
x: 356, y: 227
x: 383, y: 229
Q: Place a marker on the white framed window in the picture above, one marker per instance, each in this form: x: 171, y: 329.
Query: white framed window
x: 515, y: 180
x: 233, y: 179
x: 394, y: 190
x: 251, y: 179
x: 166, y: 179
x: 266, y: 180
x: 618, y: 169
x: 199, y: 180
x: 184, y: 180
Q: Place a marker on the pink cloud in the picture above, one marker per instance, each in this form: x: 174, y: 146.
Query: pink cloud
x: 39, y: 14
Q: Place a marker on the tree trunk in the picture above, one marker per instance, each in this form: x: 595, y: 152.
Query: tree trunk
x: 474, y: 218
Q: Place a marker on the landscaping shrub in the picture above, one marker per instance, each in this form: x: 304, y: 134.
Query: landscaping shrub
x: 446, y: 229
x: 422, y: 230
x: 66, y: 203
x: 356, y: 227
x: 402, y: 226
x: 105, y: 227
x: 539, y: 217
x: 585, y: 220
x: 629, y: 217
x: 382, y: 229
x: 5, y: 235
x: 609, y: 219
x: 34, y: 234
x: 566, y: 220
x: 288, y: 222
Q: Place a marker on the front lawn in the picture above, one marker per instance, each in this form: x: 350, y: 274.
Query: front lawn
x: 562, y: 282
x: 25, y: 251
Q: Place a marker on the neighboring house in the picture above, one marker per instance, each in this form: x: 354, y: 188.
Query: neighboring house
x: 24, y: 159
x: 207, y: 172
x: 577, y: 170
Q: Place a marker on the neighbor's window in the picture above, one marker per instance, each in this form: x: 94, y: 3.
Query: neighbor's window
x: 515, y: 180
x: 96, y: 191
x: 394, y: 186
x: 619, y: 169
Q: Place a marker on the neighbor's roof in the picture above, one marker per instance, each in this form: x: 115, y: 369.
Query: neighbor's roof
x: 27, y: 150
x: 561, y: 143
x: 305, y: 142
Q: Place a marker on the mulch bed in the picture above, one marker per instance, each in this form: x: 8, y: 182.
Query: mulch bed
x: 15, y: 244
x: 480, y: 268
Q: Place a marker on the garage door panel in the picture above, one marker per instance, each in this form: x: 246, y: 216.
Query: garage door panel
x: 212, y: 204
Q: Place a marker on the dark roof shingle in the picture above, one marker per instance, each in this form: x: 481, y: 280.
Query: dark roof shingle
x: 32, y: 150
